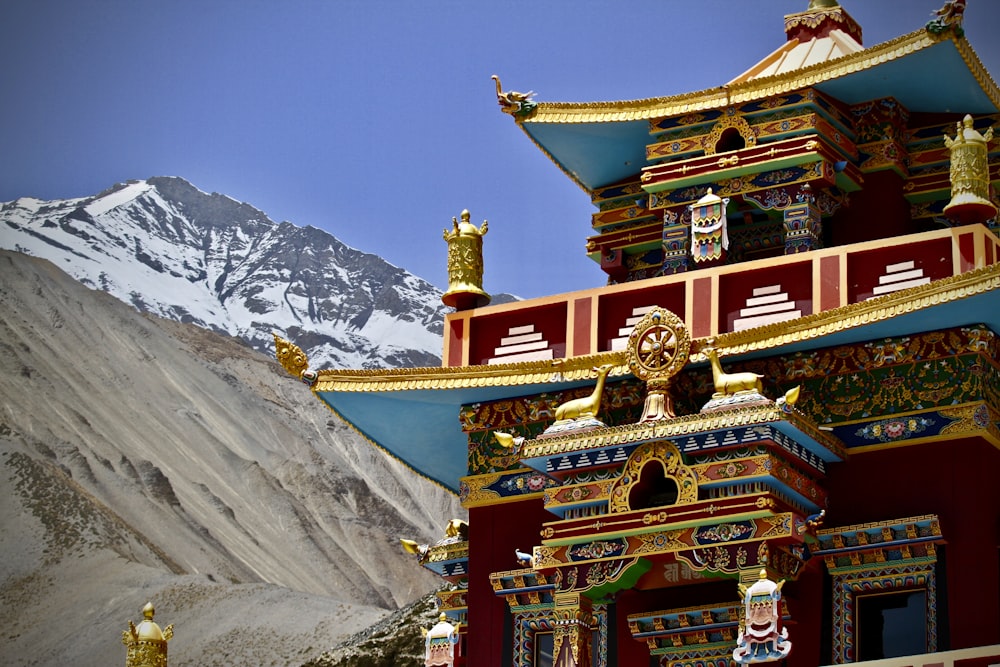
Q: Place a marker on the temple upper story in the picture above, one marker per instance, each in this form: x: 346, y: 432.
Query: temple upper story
x: 823, y: 143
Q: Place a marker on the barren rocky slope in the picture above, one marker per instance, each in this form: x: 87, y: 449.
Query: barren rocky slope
x: 144, y: 459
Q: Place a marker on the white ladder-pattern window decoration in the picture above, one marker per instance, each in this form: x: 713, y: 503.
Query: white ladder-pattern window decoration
x: 521, y: 343
x: 767, y: 306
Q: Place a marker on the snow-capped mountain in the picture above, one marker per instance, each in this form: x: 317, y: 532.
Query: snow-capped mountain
x: 172, y: 250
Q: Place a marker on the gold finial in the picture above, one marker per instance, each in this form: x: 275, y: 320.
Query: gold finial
x: 815, y: 5
x: 970, y: 178
x: 146, y: 643
x: 465, y: 264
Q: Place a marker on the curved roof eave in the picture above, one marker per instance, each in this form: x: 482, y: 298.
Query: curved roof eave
x: 600, y: 143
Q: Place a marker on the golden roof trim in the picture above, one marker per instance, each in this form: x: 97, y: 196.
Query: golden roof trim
x: 752, y: 89
x: 678, y: 427
x: 981, y: 74
x: 459, y: 377
x: 807, y: 327
x: 438, y: 553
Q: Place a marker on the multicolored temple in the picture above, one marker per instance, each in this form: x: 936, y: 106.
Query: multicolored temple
x: 773, y: 434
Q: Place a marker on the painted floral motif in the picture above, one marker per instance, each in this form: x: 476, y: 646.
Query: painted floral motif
x: 602, y: 572
x: 661, y: 541
x: 599, y: 549
x: 731, y: 469
x: 724, y: 532
x: 888, y: 430
x: 981, y: 417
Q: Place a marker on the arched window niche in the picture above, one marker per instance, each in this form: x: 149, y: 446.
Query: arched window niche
x: 654, y: 476
x: 654, y: 489
x: 732, y: 132
x: 731, y: 140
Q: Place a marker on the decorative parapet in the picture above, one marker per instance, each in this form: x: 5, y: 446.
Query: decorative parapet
x: 827, y: 447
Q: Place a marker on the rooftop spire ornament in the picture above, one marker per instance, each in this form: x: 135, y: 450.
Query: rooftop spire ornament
x: 147, y: 644
x: 465, y: 264
x: 970, y: 176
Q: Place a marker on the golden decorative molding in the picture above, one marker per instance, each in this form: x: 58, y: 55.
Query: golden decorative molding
x: 664, y: 453
x: 459, y: 377
x: 677, y: 427
x: 730, y: 120
x: 478, y: 494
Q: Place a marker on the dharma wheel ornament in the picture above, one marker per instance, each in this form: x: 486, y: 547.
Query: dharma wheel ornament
x: 709, y: 237
x: 465, y: 264
x: 658, y: 348
x: 147, y: 644
x: 970, y: 175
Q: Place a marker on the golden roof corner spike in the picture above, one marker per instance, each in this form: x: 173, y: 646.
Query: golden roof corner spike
x: 293, y: 360
x: 513, y: 102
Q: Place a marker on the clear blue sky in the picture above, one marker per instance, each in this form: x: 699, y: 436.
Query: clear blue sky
x: 374, y: 120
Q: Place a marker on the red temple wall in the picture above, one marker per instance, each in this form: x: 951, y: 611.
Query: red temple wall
x: 879, y: 211
x: 494, y: 533
x: 955, y: 480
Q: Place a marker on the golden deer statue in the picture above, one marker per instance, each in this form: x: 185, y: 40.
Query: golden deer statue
x: 727, y: 384
x: 586, y: 406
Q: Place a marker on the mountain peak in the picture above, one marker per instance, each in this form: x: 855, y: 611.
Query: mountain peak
x: 170, y: 249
